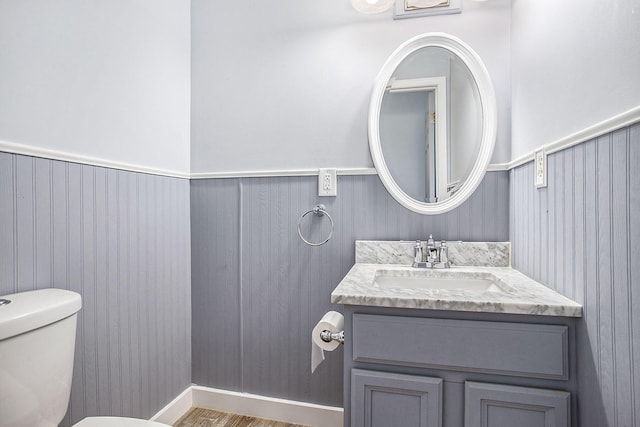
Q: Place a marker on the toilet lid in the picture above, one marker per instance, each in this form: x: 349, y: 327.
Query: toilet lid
x: 117, y: 422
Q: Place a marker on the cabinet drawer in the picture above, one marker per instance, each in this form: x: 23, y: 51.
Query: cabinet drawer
x: 515, y: 349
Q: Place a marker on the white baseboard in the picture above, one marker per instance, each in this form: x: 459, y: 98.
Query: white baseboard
x: 251, y: 405
x: 176, y: 408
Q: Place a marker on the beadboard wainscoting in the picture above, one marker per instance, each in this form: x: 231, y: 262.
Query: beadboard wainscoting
x: 581, y: 236
x: 122, y: 240
x: 258, y: 290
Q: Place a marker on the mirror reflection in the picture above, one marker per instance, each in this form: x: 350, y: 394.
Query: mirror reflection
x: 431, y: 124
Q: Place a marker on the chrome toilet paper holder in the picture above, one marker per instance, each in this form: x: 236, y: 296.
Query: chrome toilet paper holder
x: 328, y: 336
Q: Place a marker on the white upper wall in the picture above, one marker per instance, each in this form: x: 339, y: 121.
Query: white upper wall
x: 574, y: 64
x: 105, y: 79
x: 286, y: 85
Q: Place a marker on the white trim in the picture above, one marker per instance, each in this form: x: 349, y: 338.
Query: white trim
x: 280, y: 173
x: 626, y: 118
x: 251, y: 405
x: 268, y: 407
x: 522, y: 160
x: 498, y: 167
x: 29, y: 150
x: 423, y: 84
x: 309, y: 172
x: 176, y: 408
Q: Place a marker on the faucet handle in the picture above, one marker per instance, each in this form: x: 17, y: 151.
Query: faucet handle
x: 443, y: 252
x: 417, y: 250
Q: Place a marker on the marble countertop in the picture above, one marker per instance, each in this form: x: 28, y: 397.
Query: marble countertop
x: 517, y: 293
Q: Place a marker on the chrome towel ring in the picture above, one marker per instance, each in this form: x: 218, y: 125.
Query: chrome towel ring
x: 318, y: 210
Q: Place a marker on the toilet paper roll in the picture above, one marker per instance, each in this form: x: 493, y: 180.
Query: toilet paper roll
x: 332, y: 321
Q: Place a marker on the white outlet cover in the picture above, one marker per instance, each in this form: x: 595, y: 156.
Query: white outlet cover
x: 327, y: 183
x: 540, y: 168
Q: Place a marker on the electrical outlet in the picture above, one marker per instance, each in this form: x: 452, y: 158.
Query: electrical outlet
x: 327, y: 182
x: 540, y: 169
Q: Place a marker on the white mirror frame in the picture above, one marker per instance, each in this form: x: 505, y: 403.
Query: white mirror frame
x: 489, y: 120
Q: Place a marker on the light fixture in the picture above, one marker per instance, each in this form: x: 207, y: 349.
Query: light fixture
x: 424, y: 4
x: 372, y: 6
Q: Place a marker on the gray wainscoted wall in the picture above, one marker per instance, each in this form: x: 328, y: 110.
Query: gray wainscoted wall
x: 581, y: 236
x: 258, y: 290
x: 120, y: 239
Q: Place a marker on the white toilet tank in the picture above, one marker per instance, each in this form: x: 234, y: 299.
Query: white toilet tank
x: 37, y: 340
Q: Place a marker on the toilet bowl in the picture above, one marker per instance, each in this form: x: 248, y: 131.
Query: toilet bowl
x: 37, y: 341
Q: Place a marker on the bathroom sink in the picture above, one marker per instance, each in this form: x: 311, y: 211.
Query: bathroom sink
x: 409, y: 279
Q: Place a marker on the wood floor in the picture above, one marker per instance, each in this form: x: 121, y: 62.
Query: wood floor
x: 199, y: 417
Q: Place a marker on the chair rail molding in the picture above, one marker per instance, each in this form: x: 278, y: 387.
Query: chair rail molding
x: 621, y: 120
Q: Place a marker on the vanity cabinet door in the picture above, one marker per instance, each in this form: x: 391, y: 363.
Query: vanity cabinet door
x: 493, y: 405
x: 381, y: 399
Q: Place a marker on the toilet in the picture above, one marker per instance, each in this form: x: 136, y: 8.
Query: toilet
x: 37, y: 340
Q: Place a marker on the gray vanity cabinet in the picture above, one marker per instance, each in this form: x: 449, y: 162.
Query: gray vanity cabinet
x: 385, y: 399
x: 411, y: 368
x: 495, y: 405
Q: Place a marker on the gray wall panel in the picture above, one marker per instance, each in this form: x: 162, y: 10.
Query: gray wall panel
x: 215, y: 275
x: 588, y: 222
x: 633, y: 255
x: 285, y: 287
x: 24, y: 218
x: 620, y: 274
x: 122, y: 240
x: 258, y: 289
x: 8, y: 223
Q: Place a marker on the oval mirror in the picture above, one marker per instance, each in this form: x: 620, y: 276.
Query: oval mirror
x: 432, y: 123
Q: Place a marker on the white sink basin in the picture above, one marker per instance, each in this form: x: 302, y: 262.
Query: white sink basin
x: 394, y: 279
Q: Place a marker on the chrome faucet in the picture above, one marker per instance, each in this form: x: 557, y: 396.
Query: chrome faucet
x: 436, y: 256
x: 432, y: 251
